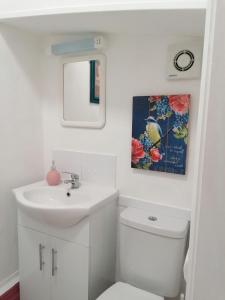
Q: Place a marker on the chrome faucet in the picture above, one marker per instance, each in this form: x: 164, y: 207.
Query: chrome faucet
x: 75, y: 183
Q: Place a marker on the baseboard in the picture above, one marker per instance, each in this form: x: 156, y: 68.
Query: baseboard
x: 8, y: 283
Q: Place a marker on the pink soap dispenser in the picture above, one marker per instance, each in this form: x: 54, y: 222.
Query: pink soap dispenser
x: 53, y: 176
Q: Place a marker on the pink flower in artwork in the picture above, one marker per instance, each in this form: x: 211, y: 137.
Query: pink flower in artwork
x: 179, y: 103
x: 154, y: 98
x: 137, y: 151
x: 155, y: 155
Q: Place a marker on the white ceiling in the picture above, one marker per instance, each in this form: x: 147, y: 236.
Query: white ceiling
x: 153, y: 22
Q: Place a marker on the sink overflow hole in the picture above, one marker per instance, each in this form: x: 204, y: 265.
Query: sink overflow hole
x: 68, y: 194
x: 152, y: 218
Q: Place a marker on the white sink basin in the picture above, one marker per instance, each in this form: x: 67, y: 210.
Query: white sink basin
x: 52, y: 205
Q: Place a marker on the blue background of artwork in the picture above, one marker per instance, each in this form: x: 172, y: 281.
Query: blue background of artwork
x: 174, y: 150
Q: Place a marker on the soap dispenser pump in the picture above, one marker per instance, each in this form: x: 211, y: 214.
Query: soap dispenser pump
x: 53, y: 176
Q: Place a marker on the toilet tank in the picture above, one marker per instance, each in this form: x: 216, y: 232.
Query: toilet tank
x: 152, y: 251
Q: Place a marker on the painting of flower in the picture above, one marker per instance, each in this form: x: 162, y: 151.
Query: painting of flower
x: 160, y: 133
x: 179, y: 104
x: 137, y: 151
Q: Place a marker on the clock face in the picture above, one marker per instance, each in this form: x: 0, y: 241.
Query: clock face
x: 184, y: 60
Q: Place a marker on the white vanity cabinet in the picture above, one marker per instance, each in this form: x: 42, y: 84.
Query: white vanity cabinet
x: 69, y: 280
x: 34, y: 282
x: 51, y: 268
x: 76, y: 263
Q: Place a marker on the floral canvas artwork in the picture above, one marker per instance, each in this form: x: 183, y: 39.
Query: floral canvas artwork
x: 160, y: 133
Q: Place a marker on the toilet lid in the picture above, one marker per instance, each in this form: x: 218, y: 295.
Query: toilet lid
x: 124, y: 291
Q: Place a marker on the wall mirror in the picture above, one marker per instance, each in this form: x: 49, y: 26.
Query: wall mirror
x: 83, y: 102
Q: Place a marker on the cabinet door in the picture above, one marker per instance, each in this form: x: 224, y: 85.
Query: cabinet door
x: 69, y: 271
x: 34, y: 264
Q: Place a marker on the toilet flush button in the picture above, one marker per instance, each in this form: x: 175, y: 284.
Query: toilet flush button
x: 152, y: 218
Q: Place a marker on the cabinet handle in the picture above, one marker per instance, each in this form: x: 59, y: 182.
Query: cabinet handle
x: 54, y: 267
x: 41, y: 261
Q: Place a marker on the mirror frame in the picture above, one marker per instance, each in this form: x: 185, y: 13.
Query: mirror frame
x: 102, y: 105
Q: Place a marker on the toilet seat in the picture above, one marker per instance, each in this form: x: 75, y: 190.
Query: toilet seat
x: 124, y: 291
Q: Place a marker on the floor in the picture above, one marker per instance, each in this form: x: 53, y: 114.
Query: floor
x: 12, y: 294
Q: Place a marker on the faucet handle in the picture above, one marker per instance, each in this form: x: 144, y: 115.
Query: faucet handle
x: 73, y: 175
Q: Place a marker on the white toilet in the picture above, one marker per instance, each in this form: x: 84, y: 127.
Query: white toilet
x: 152, y: 250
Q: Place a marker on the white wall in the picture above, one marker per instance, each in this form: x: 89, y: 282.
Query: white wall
x: 135, y: 66
x: 21, y: 155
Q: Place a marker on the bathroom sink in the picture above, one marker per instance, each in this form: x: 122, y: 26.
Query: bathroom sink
x: 58, y: 206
